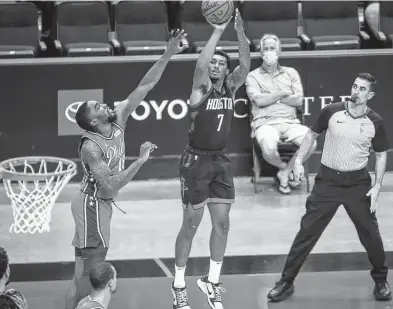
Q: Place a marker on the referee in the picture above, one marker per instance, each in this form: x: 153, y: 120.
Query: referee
x: 352, y: 129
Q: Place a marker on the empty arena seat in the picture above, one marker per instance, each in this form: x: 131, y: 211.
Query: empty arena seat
x: 141, y: 27
x: 19, y: 34
x: 280, y: 18
x: 199, y: 30
x: 331, y: 25
x: 386, y: 20
x: 82, y: 29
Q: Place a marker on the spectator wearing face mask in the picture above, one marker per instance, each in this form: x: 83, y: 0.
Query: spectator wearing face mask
x: 275, y: 92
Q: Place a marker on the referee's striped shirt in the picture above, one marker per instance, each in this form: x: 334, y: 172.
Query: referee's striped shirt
x: 349, y: 139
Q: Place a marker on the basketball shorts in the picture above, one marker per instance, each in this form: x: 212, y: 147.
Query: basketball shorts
x: 91, y: 256
x: 206, y: 177
x: 92, y: 218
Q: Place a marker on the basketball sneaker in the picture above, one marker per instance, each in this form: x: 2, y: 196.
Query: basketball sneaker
x: 212, y: 291
x: 180, y: 299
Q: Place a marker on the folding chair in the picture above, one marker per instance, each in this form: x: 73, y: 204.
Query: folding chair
x: 286, y: 151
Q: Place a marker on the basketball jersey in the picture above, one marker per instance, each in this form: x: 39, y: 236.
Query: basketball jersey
x: 212, y: 120
x: 113, y: 152
x: 88, y: 303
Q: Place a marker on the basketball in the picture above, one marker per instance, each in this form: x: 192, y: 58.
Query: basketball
x: 217, y: 12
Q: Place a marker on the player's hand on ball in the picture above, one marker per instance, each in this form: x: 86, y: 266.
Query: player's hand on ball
x: 238, y: 21
x: 145, y: 150
x: 221, y: 27
x: 176, y: 37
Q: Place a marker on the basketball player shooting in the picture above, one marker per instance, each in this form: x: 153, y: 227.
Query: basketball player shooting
x: 102, y: 154
x: 205, y: 170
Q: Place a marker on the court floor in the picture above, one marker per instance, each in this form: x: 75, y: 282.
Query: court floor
x: 142, y: 248
x: 330, y: 290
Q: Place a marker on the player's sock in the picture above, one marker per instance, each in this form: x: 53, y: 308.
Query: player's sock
x: 179, y: 277
x: 214, y: 271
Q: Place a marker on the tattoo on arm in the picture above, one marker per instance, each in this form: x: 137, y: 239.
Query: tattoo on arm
x: 92, y: 155
x: 240, y: 73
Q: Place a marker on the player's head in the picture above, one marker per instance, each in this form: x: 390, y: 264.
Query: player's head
x: 103, y: 276
x: 12, y: 300
x: 6, y: 302
x: 270, y: 49
x: 4, y: 267
x: 363, y: 88
x: 92, y: 114
x: 219, y: 66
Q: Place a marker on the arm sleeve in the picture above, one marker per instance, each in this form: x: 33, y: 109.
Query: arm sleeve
x: 297, y: 86
x: 322, y: 122
x: 380, y: 141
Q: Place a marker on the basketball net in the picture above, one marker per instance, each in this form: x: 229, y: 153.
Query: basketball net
x: 33, y: 185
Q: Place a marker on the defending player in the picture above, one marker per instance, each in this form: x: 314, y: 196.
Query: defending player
x: 205, y: 169
x: 102, y: 155
x: 103, y: 279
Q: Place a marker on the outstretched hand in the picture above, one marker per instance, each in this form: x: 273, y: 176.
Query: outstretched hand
x: 175, y: 38
x: 238, y: 21
x: 145, y: 150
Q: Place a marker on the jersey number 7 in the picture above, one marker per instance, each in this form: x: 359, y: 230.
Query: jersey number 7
x: 221, y: 118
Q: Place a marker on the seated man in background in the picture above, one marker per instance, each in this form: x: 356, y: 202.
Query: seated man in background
x: 275, y: 93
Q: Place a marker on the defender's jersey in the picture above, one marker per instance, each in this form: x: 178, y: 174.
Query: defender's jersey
x: 212, y: 120
x: 113, y: 152
x: 88, y: 303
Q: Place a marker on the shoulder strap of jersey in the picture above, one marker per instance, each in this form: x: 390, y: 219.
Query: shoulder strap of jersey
x: 91, y: 138
x: 118, y: 126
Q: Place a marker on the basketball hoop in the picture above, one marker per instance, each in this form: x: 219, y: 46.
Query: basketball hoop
x: 33, y: 185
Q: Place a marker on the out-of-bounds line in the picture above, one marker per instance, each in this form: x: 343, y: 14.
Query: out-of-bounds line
x: 164, y: 268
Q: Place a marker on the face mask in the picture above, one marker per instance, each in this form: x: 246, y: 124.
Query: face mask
x: 270, y: 57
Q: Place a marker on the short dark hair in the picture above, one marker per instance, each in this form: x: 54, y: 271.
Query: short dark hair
x: 371, y: 79
x: 6, y: 302
x: 3, y: 262
x: 12, y: 299
x: 225, y: 55
x: 100, y: 274
x: 82, y: 117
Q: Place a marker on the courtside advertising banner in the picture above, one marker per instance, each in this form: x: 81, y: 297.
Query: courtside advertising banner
x: 40, y: 101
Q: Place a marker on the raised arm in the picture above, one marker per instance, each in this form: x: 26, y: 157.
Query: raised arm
x: 239, y: 74
x: 92, y: 155
x: 201, y: 82
x: 126, y: 107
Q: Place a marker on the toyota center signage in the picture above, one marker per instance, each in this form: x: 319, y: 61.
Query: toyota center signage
x: 68, y: 102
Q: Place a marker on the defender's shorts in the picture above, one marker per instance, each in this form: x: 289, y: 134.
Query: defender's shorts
x: 92, y: 218
x: 206, y: 177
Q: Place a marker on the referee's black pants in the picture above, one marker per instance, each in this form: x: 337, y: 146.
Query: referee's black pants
x: 332, y: 189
